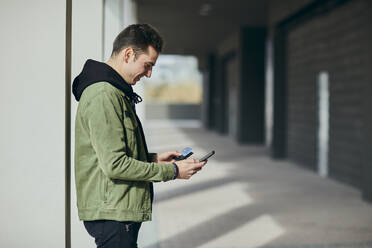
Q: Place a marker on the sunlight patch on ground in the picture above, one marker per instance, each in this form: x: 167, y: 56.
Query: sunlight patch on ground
x: 198, y: 208
x: 256, y: 233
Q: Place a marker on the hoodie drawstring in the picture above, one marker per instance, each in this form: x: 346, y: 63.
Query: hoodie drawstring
x: 135, y: 98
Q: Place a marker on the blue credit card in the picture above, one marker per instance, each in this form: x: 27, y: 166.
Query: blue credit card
x: 186, y: 151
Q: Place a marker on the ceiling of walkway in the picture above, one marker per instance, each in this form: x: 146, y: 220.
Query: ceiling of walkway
x: 196, y: 27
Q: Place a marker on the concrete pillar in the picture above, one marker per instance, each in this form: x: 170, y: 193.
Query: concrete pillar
x: 118, y: 14
x: 232, y: 78
x: 220, y: 101
x: 113, y: 23
x: 32, y: 129
x: 279, y: 139
x: 209, y: 93
x: 239, y: 86
x: 251, y: 117
x: 130, y: 17
x: 87, y: 43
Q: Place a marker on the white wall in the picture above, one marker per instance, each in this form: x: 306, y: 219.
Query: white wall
x: 130, y: 17
x: 113, y: 24
x: 118, y: 14
x: 32, y: 129
x: 86, y: 44
x: 32, y: 110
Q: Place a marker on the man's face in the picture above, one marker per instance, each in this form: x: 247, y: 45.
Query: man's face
x: 141, y: 66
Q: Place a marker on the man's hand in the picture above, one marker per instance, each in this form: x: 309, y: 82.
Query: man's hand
x: 188, y: 167
x: 166, y: 157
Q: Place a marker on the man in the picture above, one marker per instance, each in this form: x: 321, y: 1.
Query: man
x: 113, y: 169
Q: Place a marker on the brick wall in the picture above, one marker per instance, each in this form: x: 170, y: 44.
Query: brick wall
x: 367, y: 123
x: 335, y: 42
x: 280, y: 9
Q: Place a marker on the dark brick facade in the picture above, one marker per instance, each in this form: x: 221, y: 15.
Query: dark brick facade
x: 367, y: 119
x: 336, y: 42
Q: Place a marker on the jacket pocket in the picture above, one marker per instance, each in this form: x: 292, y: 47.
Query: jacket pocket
x: 106, y: 192
x: 103, y: 188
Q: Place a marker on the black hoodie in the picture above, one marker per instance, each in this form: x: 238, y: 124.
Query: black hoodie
x: 94, y: 72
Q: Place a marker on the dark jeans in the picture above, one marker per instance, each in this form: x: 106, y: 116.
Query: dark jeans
x: 113, y: 234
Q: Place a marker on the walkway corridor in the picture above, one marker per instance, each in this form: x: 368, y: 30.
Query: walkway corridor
x: 242, y: 198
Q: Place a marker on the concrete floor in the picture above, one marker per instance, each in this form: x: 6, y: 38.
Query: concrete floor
x: 242, y: 198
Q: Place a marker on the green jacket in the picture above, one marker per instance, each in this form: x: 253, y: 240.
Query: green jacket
x: 111, y: 173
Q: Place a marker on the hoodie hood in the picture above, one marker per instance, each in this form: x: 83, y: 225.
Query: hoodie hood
x: 94, y: 72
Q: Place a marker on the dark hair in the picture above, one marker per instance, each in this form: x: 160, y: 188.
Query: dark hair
x: 139, y: 37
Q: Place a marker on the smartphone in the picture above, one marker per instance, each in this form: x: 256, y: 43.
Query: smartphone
x: 207, y: 156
